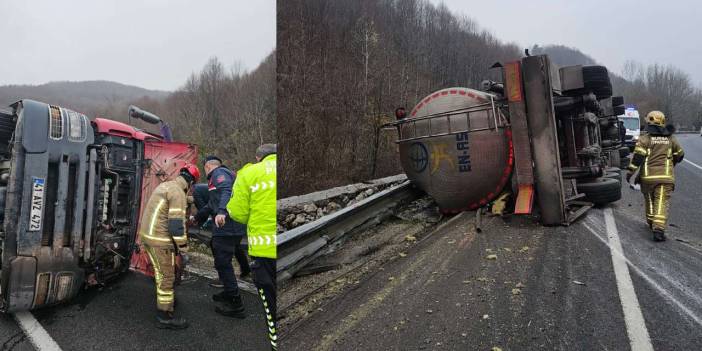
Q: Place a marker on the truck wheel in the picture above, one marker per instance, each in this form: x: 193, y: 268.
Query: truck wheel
x: 596, y: 79
x: 614, y: 173
x: 624, y: 151
x: 601, y: 191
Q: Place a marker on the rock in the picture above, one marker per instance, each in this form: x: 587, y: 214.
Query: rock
x: 299, y: 220
x: 516, y: 291
x: 369, y: 192
x: 491, y: 257
x: 310, y: 208
x: 360, y: 196
x: 410, y: 238
x: 321, y: 203
x: 320, y: 213
x: 290, y: 218
x: 332, y: 206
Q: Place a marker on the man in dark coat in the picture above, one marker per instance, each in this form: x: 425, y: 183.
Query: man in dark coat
x: 226, y: 236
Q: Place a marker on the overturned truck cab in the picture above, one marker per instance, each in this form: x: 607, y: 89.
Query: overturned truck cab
x: 548, y: 134
x: 71, y: 191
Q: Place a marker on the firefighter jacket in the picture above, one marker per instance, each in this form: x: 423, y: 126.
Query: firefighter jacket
x: 220, y: 182
x: 163, y: 220
x: 253, y: 203
x: 655, y: 155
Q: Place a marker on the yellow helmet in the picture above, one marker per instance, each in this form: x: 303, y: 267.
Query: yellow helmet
x: 656, y: 118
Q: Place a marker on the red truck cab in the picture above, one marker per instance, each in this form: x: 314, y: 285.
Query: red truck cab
x: 71, y: 194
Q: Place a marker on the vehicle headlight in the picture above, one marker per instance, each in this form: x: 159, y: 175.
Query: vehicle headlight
x: 636, y: 137
x: 77, y: 125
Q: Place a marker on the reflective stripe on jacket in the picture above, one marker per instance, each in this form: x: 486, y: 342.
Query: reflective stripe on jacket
x: 165, y: 210
x: 253, y: 203
x: 655, y: 157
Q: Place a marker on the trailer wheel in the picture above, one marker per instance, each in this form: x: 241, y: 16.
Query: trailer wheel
x: 601, y: 191
x: 614, y: 173
x: 596, y: 79
x: 624, y: 151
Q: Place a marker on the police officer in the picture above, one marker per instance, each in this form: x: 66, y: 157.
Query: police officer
x: 254, y: 203
x: 655, y: 154
x: 162, y: 231
x: 226, y: 237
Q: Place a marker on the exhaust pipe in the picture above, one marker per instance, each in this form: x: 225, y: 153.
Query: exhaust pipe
x: 145, y: 116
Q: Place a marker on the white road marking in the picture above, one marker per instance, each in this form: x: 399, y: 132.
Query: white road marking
x: 41, y: 340
x: 633, y: 317
x: 661, y: 290
x: 692, y: 163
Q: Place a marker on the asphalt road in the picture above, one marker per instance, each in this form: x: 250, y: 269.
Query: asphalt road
x: 550, y: 288
x: 122, y: 317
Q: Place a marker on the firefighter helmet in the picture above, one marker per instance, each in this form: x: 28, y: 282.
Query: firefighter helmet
x: 656, y: 118
x: 192, y: 170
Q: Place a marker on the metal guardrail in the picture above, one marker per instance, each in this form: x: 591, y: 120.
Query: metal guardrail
x: 300, y: 246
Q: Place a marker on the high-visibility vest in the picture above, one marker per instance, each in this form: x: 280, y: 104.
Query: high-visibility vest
x: 253, y: 203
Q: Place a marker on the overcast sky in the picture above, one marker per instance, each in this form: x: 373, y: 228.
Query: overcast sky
x: 154, y: 44
x: 666, y: 32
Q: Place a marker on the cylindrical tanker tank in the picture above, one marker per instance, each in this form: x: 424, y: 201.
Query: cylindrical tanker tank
x: 456, y: 146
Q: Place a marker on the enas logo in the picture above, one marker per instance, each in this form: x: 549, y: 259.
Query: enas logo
x: 419, y: 156
x: 37, y: 209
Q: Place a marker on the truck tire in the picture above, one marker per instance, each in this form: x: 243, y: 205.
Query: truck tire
x: 614, y: 173
x: 624, y: 151
x: 601, y: 191
x: 596, y: 79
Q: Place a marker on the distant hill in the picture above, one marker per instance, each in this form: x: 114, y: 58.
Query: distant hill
x: 563, y: 55
x: 93, y: 98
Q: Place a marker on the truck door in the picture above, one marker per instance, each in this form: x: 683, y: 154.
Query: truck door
x: 162, y: 162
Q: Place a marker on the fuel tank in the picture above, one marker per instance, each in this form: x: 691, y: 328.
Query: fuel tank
x: 456, y: 145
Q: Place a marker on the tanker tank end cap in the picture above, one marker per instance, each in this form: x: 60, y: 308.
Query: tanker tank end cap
x: 145, y: 116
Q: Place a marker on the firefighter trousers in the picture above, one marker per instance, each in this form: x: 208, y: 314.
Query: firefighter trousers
x: 657, y: 199
x: 263, y: 270
x: 163, y: 261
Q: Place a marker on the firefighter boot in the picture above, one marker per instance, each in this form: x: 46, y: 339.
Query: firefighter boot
x: 658, y: 235
x: 166, y: 320
x: 231, y: 307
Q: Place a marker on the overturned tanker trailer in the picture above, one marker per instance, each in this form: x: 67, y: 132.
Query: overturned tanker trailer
x: 548, y: 134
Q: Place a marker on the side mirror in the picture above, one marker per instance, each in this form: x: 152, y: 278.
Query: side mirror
x: 145, y: 116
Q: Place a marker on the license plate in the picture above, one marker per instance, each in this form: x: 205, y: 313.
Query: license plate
x: 37, y: 204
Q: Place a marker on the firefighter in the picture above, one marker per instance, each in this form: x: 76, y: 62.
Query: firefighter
x: 226, y: 237
x: 254, y: 204
x: 162, y: 231
x: 655, y: 155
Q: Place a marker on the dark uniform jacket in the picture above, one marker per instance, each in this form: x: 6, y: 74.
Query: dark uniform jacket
x: 220, y: 182
x: 655, y: 155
